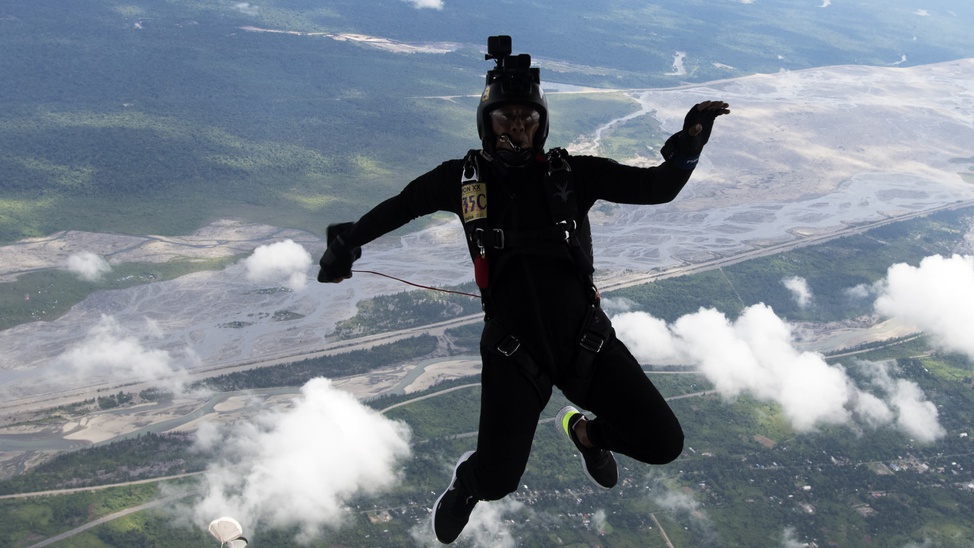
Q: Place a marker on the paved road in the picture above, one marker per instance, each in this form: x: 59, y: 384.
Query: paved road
x: 109, y: 517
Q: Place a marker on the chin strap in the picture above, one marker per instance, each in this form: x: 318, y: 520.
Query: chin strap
x: 516, y: 156
x: 507, y: 139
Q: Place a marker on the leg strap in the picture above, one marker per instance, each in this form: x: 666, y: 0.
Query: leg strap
x: 595, y: 332
x: 496, y: 338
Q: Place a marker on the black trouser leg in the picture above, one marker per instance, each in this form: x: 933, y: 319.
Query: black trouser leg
x: 510, y: 407
x: 631, y: 416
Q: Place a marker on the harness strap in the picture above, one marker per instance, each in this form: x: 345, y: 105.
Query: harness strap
x: 473, y: 202
x: 562, y: 205
x: 595, y: 332
x: 498, y: 238
x: 499, y: 340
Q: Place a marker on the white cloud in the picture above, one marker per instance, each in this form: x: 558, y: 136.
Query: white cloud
x: 789, y: 539
x: 88, y: 266
x: 246, y: 8
x: 799, y: 290
x: 755, y: 355
x: 916, y: 416
x: 299, y: 467
x: 489, y: 526
x: 616, y: 306
x: 908, y: 405
x: 860, y: 291
x: 936, y: 297
x: 284, y: 262
x: 686, y: 509
x: 426, y: 4
x: 111, y: 352
x: 492, y: 523
x: 599, y: 521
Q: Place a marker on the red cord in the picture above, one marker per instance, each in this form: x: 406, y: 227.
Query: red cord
x: 407, y: 282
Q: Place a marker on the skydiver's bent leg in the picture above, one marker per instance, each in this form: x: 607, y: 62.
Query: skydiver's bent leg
x: 510, y: 406
x: 631, y: 416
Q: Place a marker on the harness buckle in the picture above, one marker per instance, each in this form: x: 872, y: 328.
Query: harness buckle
x: 569, y: 227
x: 591, y: 342
x: 498, y: 238
x: 469, y: 170
x: 508, y: 345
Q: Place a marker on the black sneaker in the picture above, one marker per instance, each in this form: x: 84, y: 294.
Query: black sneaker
x: 599, y: 464
x: 452, y: 510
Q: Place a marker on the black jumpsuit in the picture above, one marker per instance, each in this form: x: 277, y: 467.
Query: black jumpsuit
x: 539, y: 297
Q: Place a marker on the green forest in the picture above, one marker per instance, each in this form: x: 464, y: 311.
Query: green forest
x: 158, y: 118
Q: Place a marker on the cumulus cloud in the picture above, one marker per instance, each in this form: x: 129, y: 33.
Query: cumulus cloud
x: 682, y: 505
x: 755, y: 355
x: 799, y: 290
x: 599, y: 521
x: 88, y: 266
x: 789, y: 539
x: 426, y: 4
x: 284, y: 262
x: 913, y: 413
x: 616, y: 306
x: 491, y: 524
x: 246, y: 8
x: 861, y: 291
x: 115, y: 353
x: 299, y: 467
x: 935, y: 297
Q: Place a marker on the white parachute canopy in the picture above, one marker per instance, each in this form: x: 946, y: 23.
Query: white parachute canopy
x: 228, y: 531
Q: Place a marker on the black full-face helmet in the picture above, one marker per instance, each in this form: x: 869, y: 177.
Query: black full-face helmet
x: 512, y: 81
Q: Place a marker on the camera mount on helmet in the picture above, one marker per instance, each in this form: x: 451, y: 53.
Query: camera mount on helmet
x: 515, y: 69
x: 512, y: 81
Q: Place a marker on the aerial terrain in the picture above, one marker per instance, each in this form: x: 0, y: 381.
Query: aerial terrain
x: 167, y: 172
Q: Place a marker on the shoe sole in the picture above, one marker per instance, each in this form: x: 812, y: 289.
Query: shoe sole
x: 463, y: 458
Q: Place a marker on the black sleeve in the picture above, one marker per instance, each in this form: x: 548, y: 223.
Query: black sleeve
x: 605, y: 179
x: 436, y: 190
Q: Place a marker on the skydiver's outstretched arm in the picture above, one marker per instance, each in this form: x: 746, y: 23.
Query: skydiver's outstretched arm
x: 683, y: 149
x: 624, y: 184
x: 436, y: 190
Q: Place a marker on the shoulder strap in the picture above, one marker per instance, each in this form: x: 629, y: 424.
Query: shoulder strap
x: 563, y: 204
x: 473, y: 206
x: 561, y: 192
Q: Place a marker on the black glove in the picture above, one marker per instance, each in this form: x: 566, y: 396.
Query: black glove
x: 698, y: 124
x: 336, y: 263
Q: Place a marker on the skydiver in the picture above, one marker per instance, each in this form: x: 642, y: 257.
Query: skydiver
x: 533, y: 263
